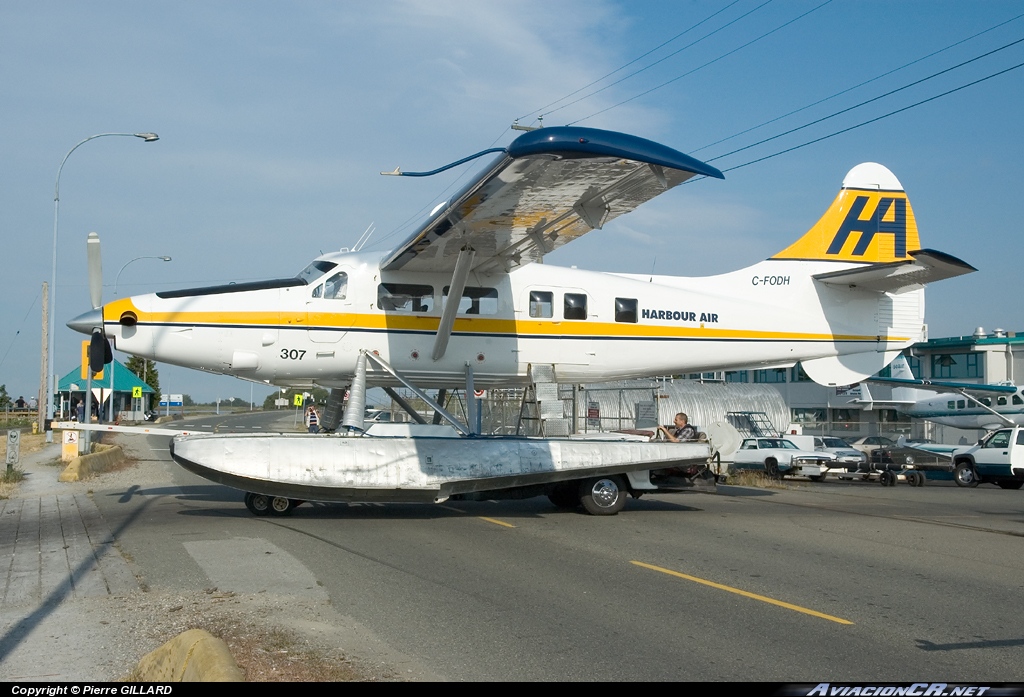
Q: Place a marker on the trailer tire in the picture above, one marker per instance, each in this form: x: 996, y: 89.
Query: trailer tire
x: 1010, y: 483
x: 279, y: 506
x: 887, y: 478
x: 602, y: 495
x: 565, y: 496
x: 258, y: 504
x: 964, y: 475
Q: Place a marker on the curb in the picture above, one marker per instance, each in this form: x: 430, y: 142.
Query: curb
x: 105, y: 457
x: 192, y: 656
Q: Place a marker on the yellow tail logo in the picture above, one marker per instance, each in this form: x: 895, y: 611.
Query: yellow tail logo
x: 870, y: 220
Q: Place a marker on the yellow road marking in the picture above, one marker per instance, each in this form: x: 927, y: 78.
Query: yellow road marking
x: 497, y: 522
x: 489, y: 520
x: 745, y: 594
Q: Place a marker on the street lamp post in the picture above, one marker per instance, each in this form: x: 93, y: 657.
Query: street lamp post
x: 50, y: 378
x: 116, y: 279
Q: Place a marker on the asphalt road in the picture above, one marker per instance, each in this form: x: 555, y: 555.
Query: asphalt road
x: 835, y: 581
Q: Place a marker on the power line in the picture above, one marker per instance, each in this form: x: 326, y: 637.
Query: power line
x: 701, y: 67
x: 877, y: 118
x: 660, y: 60
x: 868, y: 101
x: 638, y: 58
x: 18, y: 332
x: 850, y: 89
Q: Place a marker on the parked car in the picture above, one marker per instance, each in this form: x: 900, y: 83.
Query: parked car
x: 779, y: 457
x: 869, y: 443
x: 846, y: 454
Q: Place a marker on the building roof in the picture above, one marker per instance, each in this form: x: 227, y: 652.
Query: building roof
x: 996, y: 339
x: 124, y: 380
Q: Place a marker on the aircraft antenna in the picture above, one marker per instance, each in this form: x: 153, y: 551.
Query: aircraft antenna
x: 365, y: 237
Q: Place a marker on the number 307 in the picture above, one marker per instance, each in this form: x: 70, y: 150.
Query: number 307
x: 292, y: 354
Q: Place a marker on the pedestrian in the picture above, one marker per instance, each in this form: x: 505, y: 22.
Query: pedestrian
x: 312, y: 419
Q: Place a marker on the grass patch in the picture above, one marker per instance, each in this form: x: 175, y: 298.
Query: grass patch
x: 753, y: 478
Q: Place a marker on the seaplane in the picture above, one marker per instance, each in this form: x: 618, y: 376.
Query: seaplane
x: 466, y: 301
x: 964, y: 405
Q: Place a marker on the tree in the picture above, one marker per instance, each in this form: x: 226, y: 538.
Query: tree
x: 146, y: 369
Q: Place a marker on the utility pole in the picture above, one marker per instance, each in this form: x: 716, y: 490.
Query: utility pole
x: 43, y: 377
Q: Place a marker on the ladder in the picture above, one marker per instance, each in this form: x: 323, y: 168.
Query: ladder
x: 752, y: 424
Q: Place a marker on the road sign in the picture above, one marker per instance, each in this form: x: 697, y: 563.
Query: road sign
x: 298, y: 400
x: 13, y: 446
x: 136, y: 392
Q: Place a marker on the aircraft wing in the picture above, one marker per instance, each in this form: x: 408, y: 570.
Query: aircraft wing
x: 924, y: 266
x: 548, y: 187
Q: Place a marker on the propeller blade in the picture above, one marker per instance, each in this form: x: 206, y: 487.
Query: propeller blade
x: 99, y: 351
x: 92, y: 248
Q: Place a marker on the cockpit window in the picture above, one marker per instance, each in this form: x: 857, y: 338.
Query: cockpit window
x: 336, y: 287
x: 315, y: 270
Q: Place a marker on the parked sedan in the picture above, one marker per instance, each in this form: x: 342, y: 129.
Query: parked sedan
x: 779, y: 457
x: 869, y: 443
x: 846, y: 454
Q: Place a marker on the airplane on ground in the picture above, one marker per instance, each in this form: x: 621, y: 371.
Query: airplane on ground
x: 467, y: 296
x: 959, y: 404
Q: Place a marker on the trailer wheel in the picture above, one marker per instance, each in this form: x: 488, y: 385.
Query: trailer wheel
x: 1010, y: 483
x: 565, y: 496
x: 919, y: 478
x: 279, y: 505
x: 964, y: 475
x: 887, y: 478
x: 817, y: 477
x: 602, y: 495
x: 258, y: 504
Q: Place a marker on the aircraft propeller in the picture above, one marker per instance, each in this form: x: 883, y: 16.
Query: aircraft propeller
x: 99, y: 346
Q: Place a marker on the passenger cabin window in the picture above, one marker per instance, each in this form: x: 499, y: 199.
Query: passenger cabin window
x: 625, y: 310
x: 987, y: 401
x: 542, y: 303
x: 961, y: 404
x: 1001, y: 401
x: 1017, y: 399
x: 575, y: 306
x: 476, y: 301
x: 405, y: 297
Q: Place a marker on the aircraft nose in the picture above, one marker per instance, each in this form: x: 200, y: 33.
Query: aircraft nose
x: 86, y: 322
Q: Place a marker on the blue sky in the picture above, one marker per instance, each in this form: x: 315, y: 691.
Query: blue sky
x: 275, y: 119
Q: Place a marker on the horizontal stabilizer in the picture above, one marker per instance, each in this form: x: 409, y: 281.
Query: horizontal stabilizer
x: 936, y: 386
x: 924, y: 266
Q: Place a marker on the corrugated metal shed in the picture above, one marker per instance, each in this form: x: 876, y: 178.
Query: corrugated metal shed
x: 703, y: 402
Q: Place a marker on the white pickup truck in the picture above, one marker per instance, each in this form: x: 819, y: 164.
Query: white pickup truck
x: 998, y: 458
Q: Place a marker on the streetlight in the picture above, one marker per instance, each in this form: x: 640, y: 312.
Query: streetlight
x: 118, y: 277
x: 50, y: 378
x: 113, y: 395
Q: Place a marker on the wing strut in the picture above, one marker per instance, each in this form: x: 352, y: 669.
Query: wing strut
x: 451, y: 305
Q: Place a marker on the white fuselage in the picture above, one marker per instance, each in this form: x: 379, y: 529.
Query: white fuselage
x: 589, y: 326
x: 953, y: 409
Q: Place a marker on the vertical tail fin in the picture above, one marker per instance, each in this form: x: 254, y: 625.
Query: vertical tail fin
x: 869, y: 221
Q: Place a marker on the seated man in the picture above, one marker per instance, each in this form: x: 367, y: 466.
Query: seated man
x: 682, y: 432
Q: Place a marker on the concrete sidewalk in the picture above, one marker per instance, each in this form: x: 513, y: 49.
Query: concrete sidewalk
x: 58, y: 559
